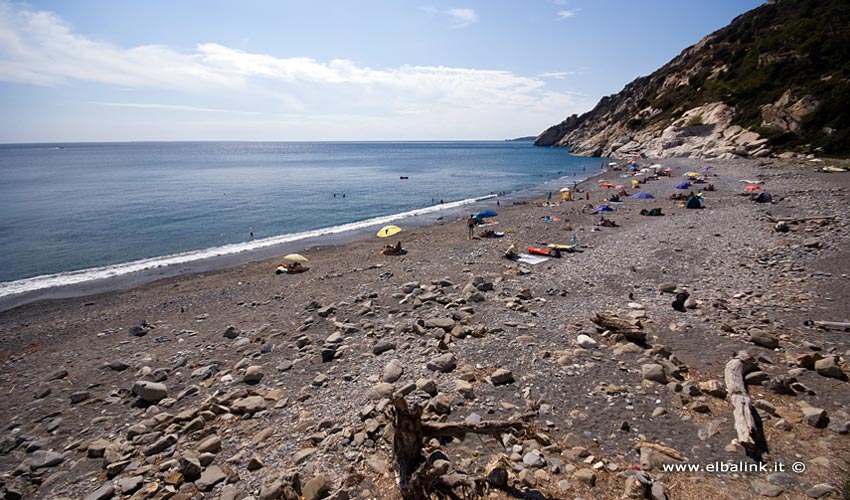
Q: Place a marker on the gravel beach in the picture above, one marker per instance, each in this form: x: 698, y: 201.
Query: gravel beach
x: 242, y: 383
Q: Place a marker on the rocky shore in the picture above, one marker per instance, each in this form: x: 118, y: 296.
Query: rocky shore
x: 245, y: 384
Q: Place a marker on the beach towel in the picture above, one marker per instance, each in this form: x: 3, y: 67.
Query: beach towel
x: 531, y: 259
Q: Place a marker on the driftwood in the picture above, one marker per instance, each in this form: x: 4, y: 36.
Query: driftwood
x: 670, y: 452
x: 746, y: 423
x: 800, y: 219
x: 417, y: 478
x: 833, y: 325
x: 632, y: 329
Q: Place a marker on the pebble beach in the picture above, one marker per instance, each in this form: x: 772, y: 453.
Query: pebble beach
x: 242, y: 383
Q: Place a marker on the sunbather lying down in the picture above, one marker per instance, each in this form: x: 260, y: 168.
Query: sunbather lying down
x: 393, y: 249
x: 290, y: 268
x: 651, y: 212
x: 489, y: 233
x: 603, y: 222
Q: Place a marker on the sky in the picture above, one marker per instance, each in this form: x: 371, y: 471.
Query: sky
x: 366, y: 70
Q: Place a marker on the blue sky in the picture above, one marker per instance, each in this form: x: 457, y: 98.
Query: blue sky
x: 106, y: 70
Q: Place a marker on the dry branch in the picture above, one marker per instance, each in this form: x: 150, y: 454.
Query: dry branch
x: 800, y: 219
x: 745, y: 424
x: 632, y: 329
x: 417, y: 479
x: 832, y: 325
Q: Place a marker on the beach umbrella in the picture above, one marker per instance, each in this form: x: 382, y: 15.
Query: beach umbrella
x: 388, y: 231
x: 604, y: 208
x: 565, y: 190
x: 692, y: 174
x: 642, y: 195
x: 606, y: 185
x: 752, y: 188
x: 295, y: 257
x: 683, y: 185
x: 486, y: 213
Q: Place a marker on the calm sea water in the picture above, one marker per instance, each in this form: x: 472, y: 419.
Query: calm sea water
x: 71, y: 207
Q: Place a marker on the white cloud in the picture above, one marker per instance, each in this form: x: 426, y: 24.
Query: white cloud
x: 564, y: 14
x: 41, y: 49
x: 169, y: 107
x: 557, y: 75
x: 462, y: 17
x: 559, y: 2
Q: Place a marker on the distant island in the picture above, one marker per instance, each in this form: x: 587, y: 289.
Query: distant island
x: 526, y: 138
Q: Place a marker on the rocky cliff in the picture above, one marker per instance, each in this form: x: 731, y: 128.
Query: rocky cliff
x: 775, y: 81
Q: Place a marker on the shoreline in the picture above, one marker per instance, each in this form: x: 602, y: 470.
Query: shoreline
x: 320, y: 346
x: 234, y: 255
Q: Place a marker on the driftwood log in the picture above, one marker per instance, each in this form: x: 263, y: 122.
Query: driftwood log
x: 632, y: 329
x: 800, y: 219
x: 746, y: 424
x: 832, y: 325
x: 417, y: 478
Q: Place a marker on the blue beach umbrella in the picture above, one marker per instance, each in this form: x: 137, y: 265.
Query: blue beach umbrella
x: 604, y: 208
x: 683, y: 185
x: 486, y: 213
x: 642, y: 195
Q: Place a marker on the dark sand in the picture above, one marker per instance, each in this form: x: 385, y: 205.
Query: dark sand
x: 747, y: 280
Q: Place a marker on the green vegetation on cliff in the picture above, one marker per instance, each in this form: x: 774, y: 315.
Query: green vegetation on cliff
x: 792, y: 56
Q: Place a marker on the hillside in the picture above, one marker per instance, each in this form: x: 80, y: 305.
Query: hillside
x: 775, y: 81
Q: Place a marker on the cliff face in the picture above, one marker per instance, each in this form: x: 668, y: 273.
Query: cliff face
x: 776, y: 81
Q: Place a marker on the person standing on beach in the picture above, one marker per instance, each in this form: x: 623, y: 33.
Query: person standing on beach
x: 470, y: 224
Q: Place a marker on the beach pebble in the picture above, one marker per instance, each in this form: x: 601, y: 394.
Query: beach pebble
x: 248, y: 405
x: 427, y: 385
x: 382, y: 347
x: 534, y: 459
x: 211, y: 444
x: 44, y: 458
x: 129, y: 485
x: 441, y: 404
x: 316, y: 488
x: 443, y: 363
x: 816, y: 417
x: 56, y: 375
x: 586, y: 342
x: 763, y: 488
x: 393, y: 371
x: 764, y: 339
x: 105, y: 492
x: 821, y: 490
x: 585, y: 476
x: 151, y: 392
x: 502, y: 376
x: 380, y: 391
x: 211, y: 476
x: 253, y: 374
x: 653, y: 372
x: 231, y: 332
x: 828, y: 367
x: 667, y: 288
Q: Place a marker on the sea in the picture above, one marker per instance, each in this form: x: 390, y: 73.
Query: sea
x: 83, y: 212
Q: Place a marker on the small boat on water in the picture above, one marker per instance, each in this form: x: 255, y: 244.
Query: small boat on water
x: 404, y: 177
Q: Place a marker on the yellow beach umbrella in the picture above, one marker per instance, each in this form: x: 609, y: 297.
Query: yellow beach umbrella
x: 388, y: 231
x: 693, y: 174
x: 295, y: 257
